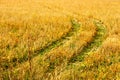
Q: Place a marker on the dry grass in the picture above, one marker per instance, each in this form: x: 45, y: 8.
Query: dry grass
x: 28, y: 26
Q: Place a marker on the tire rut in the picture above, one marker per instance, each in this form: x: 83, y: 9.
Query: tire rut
x: 47, y: 48
x: 92, y: 46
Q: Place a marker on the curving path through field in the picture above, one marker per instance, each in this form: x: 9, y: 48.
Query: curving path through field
x: 53, y: 44
x: 93, y: 45
x: 47, y: 48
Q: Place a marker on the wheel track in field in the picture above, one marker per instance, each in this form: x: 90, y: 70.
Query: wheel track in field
x: 91, y: 46
x: 53, y: 44
x: 47, y: 48
x: 80, y: 55
x: 60, y: 41
x: 98, y: 38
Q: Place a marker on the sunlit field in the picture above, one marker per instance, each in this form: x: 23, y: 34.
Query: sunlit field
x: 59, y: 40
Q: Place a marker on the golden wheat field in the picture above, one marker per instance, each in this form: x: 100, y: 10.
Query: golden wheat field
x: 59, y: 39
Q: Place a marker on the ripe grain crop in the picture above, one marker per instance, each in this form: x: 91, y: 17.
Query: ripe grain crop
x: 59, y: 39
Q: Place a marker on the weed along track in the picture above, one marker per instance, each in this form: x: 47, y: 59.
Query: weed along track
x: 93, y: 45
